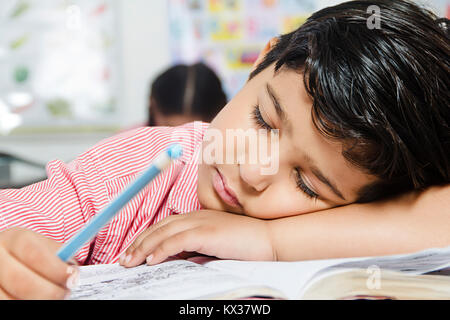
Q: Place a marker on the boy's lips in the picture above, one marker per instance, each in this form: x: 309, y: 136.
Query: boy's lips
x: 224, y: 191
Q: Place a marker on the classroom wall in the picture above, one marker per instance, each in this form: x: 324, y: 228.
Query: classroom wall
x: 143, y: 51
x: 142, y: 32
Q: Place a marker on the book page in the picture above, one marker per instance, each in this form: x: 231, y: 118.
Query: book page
x: 286, y: 277
x: 416, y: 263
x: 421, y: 262
x: 355, y: 284
x: 181, y: 279
x: 177, y: 279
x: 292, y: 277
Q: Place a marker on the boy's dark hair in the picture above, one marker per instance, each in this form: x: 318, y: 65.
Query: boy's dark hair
x: 193, y: 90
x: 383, y: 92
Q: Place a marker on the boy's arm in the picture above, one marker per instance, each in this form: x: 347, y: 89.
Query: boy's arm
x: 408, y: 223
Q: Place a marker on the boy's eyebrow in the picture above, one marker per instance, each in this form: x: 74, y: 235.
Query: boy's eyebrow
x: 319, y: 175
x: 314, y: 169
x: 280, y: 111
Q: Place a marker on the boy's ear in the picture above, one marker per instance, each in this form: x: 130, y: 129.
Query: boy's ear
x: 264, y: 51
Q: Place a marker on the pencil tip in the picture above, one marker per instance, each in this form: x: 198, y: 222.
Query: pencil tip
x: 175, y: 151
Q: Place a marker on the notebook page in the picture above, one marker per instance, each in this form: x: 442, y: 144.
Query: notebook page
x: 177, y: 279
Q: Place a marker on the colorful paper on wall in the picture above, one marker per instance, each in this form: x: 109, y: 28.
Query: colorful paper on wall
x: 228, y: 34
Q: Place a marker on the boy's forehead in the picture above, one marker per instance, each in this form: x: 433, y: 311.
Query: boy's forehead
x: 287, y: 91
x: 291, y: 80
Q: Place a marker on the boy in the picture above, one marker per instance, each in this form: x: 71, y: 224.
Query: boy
x: 362, y: 114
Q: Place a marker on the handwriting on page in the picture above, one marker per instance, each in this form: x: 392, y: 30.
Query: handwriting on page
x: 177, y: 279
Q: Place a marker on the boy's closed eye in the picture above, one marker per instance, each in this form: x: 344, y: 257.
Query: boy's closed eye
x: 301, y: 185
x: 302, y: 181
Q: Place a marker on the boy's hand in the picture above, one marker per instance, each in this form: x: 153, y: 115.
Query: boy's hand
x: 30, y: 269
x: 214, y: 233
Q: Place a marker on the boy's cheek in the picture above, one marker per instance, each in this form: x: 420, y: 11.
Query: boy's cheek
x: 205, y: 192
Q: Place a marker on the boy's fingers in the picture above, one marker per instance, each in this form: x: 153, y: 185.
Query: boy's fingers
x: 4, y: 295
x: 20, y: 282
x: 136, y: 243
x: 189, y: 241
x: 152, y: 239
x: 39, y: 254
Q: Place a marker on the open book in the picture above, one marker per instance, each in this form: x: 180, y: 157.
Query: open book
x: 389, y: 277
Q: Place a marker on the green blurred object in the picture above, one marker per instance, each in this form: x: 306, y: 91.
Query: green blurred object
x: 59, y: 108
x: 17, y: 43
x: 21, y: 74
x: 20, y: 8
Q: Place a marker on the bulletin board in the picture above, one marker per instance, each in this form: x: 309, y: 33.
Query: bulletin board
x: 58, y: 66
x: 228, y: 34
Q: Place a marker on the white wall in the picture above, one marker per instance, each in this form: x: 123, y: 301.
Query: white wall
x: 144, y: 51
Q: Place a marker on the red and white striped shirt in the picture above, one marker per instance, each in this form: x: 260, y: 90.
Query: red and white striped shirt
x: 73, y: 193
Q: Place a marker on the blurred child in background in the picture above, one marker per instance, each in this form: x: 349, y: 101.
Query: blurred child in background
x: 184, y: 93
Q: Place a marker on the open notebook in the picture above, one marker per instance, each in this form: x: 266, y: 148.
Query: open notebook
x: 394, y: 277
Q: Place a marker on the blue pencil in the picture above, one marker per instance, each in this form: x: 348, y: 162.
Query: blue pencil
x: 101, y: 219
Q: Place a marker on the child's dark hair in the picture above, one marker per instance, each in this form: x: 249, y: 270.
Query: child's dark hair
x: 383, y: 92
x: 193, y: 90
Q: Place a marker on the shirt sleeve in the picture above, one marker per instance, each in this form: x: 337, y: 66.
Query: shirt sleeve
x: 59, y: 206
x: 75, y: 192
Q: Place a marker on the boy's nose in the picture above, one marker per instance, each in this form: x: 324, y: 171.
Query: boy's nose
x: 251, y: 175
